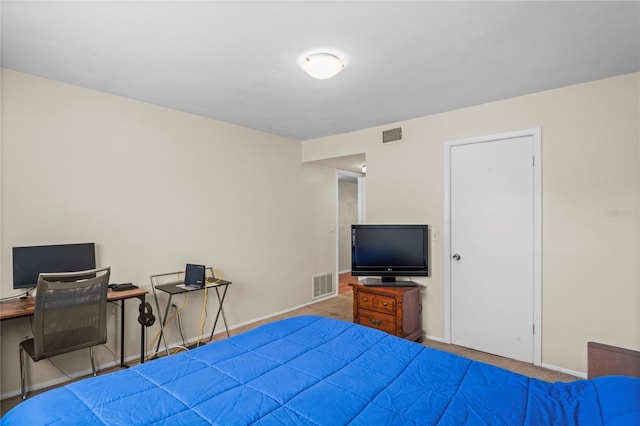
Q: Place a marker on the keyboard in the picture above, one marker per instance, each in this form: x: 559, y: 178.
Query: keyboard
x: 122, y: 287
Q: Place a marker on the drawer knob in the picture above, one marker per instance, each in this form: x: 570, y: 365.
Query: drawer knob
x: 364, y: 299
x: 375, y: 321
x: 385, y: 304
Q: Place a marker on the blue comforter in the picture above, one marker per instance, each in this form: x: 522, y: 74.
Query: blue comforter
x: 314, y: 370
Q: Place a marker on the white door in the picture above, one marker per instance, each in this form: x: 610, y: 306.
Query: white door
x: 492, y: 228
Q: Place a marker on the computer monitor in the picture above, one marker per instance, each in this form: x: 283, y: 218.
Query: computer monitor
x: 29, y: 262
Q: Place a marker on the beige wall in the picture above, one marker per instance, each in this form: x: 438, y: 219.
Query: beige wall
x: 79, y: 165
x: 590, y: 193
x: 347, y: 215
x: 154, y: 189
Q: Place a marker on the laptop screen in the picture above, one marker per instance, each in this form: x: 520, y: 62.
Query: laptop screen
x: 194, y: 275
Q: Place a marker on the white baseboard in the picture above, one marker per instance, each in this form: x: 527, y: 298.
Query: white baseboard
x: 547, y: 366
x: 43, y: 385
x: 64, y: 379
x: 285, y: 311
x: 434, y: 338
x: 564, y: 370
x: 251, y: 321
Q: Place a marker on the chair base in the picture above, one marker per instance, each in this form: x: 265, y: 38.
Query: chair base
x: 24, y: 347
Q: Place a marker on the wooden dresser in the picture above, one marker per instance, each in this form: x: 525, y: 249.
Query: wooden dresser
x: 395, y: 310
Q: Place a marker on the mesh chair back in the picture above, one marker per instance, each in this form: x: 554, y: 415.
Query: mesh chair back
x: 70, y: 312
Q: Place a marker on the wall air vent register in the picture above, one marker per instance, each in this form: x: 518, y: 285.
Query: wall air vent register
x: 392, y: 135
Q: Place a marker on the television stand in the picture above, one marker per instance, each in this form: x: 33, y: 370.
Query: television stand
x: 393, y: 309
x: 377, y: 282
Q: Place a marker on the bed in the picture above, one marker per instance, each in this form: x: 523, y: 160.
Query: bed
x: 321, y: 371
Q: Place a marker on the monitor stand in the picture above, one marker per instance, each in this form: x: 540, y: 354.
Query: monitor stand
x: 377, y: 282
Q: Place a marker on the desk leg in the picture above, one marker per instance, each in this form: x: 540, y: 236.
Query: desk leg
x: 220, y: 311
x: 122, y: 333
x: 143, y: 329
x: 163, y: 321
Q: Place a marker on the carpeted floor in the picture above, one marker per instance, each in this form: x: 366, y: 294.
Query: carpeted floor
x: 341, y: 307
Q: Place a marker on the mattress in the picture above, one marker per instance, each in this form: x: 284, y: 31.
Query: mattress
x: 320, y: 371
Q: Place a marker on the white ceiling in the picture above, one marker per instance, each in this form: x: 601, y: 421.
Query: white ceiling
x: 237, y: 61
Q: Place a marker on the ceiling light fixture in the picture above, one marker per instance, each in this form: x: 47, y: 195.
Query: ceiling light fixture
x: 322, y: 65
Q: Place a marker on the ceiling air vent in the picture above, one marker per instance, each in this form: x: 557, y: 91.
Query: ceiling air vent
x: 392, y: 135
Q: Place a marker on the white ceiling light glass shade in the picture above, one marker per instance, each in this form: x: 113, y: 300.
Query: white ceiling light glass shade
x: 322, y: 65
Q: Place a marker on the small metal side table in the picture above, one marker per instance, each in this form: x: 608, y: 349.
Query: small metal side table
x: 175, y: 287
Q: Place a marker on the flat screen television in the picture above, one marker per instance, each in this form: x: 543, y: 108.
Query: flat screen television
x: 389, y: 251
x: 29, y: 262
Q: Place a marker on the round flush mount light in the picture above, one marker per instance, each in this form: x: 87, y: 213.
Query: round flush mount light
x: 322, y: 65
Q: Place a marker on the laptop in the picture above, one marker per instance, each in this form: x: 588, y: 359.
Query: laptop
x: 194, y: 276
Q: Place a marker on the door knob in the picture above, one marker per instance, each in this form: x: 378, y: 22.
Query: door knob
x: 456, y: 256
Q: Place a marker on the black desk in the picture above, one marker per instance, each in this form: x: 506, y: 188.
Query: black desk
x: 173, y: 288
x: 17, y: 308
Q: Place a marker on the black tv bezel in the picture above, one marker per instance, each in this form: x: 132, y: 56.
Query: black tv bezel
x: 387, y: 273
x: 20, y: 282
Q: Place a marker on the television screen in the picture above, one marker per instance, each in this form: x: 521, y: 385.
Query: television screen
x: 29, y: 262
x: 388, y: 251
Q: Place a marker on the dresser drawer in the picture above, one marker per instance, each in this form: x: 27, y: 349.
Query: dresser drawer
x: 378, y: 320
x: 394, y: 309
x: 365, y: 300
x: 385, y: 304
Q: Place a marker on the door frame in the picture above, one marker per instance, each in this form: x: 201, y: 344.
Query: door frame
x: 361, y: 177
x: 537, y: 230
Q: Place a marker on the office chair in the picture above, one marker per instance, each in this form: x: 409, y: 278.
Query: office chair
x: 70, y: 314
